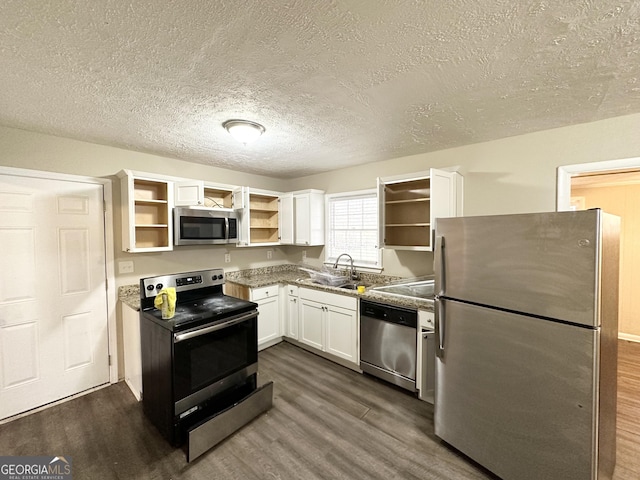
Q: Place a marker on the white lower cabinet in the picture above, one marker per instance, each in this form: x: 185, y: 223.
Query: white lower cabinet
x: 312, y: 323
x: 329, y: 322
x: 292, y: 319
x: 132, y: 350
x: 268, y: 300
x: 426, y: 356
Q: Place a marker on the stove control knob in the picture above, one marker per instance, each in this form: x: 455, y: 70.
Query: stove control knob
x: 159, y: 286
x: 220, y: 277
x: 149, y: 287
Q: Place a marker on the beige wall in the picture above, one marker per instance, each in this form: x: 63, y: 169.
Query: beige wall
x: 510, y: 175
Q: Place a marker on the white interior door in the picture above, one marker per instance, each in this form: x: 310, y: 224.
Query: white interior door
x: 53, y: 300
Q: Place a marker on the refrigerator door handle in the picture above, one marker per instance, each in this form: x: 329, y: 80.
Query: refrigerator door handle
x: 439, y: 266
x: 439, y: 291
x: 439, y: 325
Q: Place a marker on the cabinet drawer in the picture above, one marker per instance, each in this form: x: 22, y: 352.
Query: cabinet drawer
x: 292, y: 290
x: 329, y: 298
x: 425, y: 319
x: 264, y: 292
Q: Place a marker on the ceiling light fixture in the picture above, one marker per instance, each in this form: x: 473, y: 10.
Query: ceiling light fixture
x: 244, y: 131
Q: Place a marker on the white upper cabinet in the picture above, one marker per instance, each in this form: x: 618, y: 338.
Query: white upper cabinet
x: 302, y: 218
x: 147, y: 201
x: 286, y: 219
x: 189, y: 193
x: 409, y: 205
x: 308, y: 206
x: 259, y: 216
x: 196, y: 193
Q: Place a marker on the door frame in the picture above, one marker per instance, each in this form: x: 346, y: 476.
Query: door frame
x: 563, y: 200
x: 565, y: 172
x: 108, y: 245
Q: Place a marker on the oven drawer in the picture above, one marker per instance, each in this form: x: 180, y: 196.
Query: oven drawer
x: 219, y: 426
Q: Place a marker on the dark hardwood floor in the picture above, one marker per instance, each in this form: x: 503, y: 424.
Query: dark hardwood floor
x: 326, y: 422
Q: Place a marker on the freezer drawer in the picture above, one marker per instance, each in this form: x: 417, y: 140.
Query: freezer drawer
x: 518, y: 394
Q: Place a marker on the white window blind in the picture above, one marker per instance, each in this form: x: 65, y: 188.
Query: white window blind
x: 352, y: 220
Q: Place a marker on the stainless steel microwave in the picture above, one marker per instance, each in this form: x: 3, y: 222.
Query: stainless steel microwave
x: 204, y: 226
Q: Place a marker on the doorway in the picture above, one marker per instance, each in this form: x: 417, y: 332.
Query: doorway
x: 55, y: 333
x: 613, y: 186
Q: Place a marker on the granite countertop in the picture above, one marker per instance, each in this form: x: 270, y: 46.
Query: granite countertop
x: 130, y: 296
x: 289, y: 274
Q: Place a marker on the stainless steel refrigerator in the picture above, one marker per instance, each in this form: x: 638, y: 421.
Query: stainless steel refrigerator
x: 526, y: 325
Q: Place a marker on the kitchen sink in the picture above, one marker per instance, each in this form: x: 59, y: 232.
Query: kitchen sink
x: 422, y: 287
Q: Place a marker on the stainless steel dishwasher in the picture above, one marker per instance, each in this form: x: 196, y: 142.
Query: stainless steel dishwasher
x: 388, y: 343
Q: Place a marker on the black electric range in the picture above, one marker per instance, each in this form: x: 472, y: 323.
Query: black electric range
x: 199, y: 368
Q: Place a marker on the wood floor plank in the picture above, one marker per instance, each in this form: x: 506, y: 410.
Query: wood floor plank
x: 327, y: 422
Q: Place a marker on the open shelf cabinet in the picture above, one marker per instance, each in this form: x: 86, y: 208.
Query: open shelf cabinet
x: 146, y: 216
x: 259, y: 216
x: 409, y: 206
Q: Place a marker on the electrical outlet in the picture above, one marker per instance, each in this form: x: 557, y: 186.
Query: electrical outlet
x: 269, y: 254
x: 304, y: 255
x: 125, y: 267
x: 227, y: 258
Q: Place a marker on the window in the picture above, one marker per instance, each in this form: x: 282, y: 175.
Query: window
x: 352, y: 227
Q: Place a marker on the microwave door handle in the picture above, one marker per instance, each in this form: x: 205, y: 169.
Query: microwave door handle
x: 226, y: 228
x: 180, y: 337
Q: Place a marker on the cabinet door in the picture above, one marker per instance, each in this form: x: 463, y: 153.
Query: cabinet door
x: 309, y: 218
x: 303, y: 219
x: 241, y: 205
x: 286, y: 219
x: 443, y: 198
x: 292, y: 316
x: 189, y: 193
x: 268, y: 320
x: 381, y: 213
x: 341, y: 332
x: 311, y: 323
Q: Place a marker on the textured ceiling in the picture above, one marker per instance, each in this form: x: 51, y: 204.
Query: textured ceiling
x: 335, y: 82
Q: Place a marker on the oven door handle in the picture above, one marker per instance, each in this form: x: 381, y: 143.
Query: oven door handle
x: 179, y: 337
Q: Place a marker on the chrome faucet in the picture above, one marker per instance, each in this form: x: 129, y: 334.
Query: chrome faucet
x: 353, y: 275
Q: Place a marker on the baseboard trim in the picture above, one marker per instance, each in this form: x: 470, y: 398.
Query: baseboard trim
x: 54, y: 403
x: 629, y: 337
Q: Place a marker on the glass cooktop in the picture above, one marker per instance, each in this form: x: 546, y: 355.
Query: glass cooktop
x: 206, y: 310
